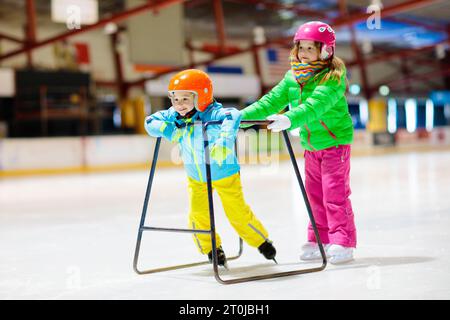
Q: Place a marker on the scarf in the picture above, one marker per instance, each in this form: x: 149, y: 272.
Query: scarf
x: 304, y: 71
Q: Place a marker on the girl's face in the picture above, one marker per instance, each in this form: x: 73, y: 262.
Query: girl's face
x: 182, y: 101
x: 307, y: 51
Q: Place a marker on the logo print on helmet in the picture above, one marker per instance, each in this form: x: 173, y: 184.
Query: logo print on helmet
x: 322, y: 29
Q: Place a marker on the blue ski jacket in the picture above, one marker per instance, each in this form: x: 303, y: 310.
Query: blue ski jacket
x: 188, y: 134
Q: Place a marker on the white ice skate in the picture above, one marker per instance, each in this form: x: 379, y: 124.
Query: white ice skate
x: 339, y: 254
x: 311, y: 251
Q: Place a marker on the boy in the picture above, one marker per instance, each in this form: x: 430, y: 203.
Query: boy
x: 191, y: 94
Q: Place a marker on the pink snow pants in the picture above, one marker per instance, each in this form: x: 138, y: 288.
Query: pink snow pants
x: 328, y: 187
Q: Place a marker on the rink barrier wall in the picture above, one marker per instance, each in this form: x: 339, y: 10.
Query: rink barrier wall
x: 71, y: 155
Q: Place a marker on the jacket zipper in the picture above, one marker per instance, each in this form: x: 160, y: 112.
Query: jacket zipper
x: 309, y: 138
x: 329, y: 131
x: 193, y: 153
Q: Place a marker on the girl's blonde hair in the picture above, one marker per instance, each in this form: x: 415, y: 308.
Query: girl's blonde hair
x: 336, y: 65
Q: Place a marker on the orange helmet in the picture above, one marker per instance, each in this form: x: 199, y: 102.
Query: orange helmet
x: 195, y: 81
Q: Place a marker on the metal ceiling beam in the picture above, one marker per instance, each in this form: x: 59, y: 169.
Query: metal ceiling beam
x: 31, y: 21
x: 11, y: 38
x: 118, y: 68
x: 30, y: 29
x: 154, y: 5
x: 220, y: 24
x: 385, y: 12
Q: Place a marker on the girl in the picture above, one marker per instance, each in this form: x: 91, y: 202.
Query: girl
x: 315, y: 89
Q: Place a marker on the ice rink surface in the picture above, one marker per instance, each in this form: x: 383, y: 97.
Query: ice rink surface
x: 73, y: 237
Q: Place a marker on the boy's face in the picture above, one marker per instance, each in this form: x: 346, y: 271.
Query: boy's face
x: 307, y: 51
x: 182, y: 101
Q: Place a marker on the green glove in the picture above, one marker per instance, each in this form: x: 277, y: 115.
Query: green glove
x: 219, y: 153
x: 243, y: 125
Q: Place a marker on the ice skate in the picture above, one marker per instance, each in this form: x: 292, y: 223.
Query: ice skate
x: 311, y: 251
x: 340, y: 254
x: 268, y: 250
x: 221, y: 258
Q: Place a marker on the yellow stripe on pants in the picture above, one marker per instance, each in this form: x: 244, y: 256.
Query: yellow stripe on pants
x: 236, y: 209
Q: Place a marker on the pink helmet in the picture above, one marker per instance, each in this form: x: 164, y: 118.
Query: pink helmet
x: 320, y: 32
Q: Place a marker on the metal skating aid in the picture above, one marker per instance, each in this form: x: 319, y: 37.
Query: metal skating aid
x: 212, y: 230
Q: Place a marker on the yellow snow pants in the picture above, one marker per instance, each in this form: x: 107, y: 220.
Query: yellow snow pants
x: 236, y: 209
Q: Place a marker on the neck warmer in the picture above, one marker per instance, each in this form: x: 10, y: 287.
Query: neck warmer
x: 304, y: 71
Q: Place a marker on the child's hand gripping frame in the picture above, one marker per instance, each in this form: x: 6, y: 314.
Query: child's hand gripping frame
x: 212, y: 231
